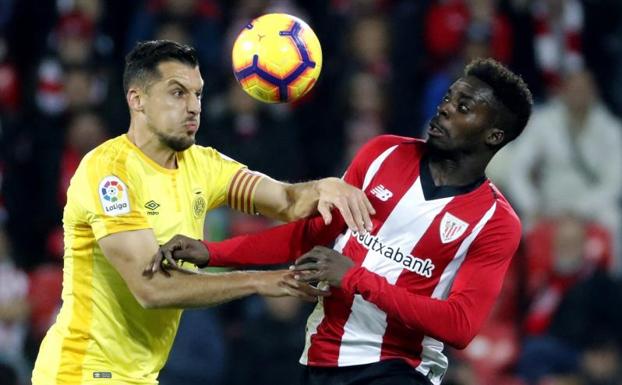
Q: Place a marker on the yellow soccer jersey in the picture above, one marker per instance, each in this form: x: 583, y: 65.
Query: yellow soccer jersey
x: 102, y: 334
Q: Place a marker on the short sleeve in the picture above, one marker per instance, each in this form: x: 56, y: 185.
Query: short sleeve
x: 220, y: 171
x: 104, y: 193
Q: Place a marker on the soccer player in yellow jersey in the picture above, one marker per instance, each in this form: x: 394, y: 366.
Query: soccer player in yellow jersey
x: 134, y: 192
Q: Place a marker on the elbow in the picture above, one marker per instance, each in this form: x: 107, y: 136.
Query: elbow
x: 461, y: 342
x: 463, y: 331
x: 148, y: 297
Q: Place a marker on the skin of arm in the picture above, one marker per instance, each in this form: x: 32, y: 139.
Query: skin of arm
x: 129, y: 252
x: 289, y: 202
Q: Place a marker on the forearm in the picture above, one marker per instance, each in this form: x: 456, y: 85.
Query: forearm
x: 182, y: 290
x: 303, y: 199
x: 280, y: 244
x: 454, y: 321
x: 287, y: 202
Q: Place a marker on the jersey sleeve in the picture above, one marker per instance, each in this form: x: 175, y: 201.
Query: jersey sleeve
x: 470, y: 300
x: 280, y: 244
x: 220, y: 171
x: 355, y: 174
x: 285, y: 243
x: 104, y: 193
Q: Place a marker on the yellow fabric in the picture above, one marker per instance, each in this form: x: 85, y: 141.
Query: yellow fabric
x: 102, y: 335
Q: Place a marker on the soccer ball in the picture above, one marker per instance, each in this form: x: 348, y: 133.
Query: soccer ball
x: 277, y: 58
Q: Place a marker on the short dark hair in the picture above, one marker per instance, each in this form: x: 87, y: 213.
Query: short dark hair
x: 141, y: 64
x: 511, y: 92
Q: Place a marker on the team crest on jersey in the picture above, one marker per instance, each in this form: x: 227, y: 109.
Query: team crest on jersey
x: 452, y: 228
x: 198, y: 204
x: 113, y: 195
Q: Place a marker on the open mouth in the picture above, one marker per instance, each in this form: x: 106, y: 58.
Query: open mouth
x: 435, y: 129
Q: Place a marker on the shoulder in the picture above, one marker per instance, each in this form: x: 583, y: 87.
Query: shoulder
x: 386, y: 141
x: 382, y: 143
x: 504, y: 218
x: 108, y: 156
x: 206, y: 154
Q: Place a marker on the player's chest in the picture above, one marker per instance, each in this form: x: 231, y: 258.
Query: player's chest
x: 173, y: 203
x: 415, y: 234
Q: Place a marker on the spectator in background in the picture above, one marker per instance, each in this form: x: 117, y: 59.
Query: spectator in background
x: 244, y: 129
x: 366, y: 114
x: 262, y: 357
x: 558, y: 46
x: 14, y: 311
x: 198, y: 356
x: 573, y: 320
x: 86, y: 130
x: 10, y: 95
x: 201, y: 19
x: 457, y: 32
x: 572, y: 145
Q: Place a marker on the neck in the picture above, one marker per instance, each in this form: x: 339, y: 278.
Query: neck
x: 458, y: 170
x: 150, y: 145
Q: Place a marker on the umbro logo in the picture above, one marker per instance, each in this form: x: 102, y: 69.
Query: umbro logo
x: 382, y: 193
x: 152, y: 206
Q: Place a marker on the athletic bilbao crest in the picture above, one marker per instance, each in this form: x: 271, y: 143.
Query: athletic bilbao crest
x: 452, y: 228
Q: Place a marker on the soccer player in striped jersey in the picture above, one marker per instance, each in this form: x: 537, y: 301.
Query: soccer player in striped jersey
x: 134, y: 192
x: 429, y: 271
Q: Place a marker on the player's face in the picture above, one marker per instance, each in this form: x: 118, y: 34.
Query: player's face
x: 173, y: 104
x: 463, y: 118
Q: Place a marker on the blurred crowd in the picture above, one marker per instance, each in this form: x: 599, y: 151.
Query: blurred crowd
x: 387, y: 64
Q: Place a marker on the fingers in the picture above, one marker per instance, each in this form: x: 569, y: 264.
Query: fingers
x: 154, y: 265
x: 309, y: 276
x: 368, y: 205
x: 311, y: 266
x: 346, y: 212
x: 324, y: 210
x: 368, y: 210
x: 303, y: 290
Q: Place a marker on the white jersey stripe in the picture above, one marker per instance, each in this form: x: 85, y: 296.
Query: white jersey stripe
x: 318, y: 313
x: 364, y: 331
x: 375, y: 166
x: 313, y: 322
x: 433, y: 361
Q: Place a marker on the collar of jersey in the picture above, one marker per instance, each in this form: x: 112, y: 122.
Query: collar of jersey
x: 150, y: 161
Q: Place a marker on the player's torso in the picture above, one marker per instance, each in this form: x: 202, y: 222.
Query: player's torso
x: 173, y: 201
x: 416, y: 242
x: 102, y: 332
x: 415, y: 235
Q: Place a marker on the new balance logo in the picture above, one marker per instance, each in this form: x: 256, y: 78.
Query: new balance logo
x: 382, y: 193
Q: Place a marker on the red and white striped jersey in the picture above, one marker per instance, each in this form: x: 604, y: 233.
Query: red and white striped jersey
x: 429, y: 271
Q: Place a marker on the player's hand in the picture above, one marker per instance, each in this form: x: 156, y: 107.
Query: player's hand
x: 351, y: 202
x: 281, y: 283
x: 322, y: 264
x: 179, y: 248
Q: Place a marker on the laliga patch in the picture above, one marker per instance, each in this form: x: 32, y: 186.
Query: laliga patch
x: 452, y: 228
x: 114, y: 197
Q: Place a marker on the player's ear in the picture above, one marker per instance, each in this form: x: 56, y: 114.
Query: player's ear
x: 495, y: 137
x: 135, y: 99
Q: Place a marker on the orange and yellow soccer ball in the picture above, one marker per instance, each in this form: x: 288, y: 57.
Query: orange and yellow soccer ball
x: 277, y: 58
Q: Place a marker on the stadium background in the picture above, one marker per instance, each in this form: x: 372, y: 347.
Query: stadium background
x: 387, y: 63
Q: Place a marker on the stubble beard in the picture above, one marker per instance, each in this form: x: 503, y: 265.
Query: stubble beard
x: 176, y: 143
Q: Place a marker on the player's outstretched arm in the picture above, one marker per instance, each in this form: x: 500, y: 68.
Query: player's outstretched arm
x: 277, y: 245
x: 289, y: 202
x: 130, y: 251
x: 461, y: 314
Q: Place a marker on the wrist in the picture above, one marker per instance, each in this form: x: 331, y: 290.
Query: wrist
x: 210, y: 254
x: 350, y: 280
